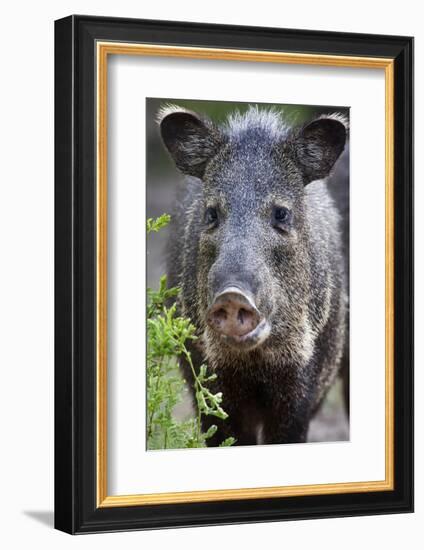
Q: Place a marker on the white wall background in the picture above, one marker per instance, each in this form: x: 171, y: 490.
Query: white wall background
x: 26, y: 274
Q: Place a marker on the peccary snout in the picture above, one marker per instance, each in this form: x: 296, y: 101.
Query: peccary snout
x: 234, y: 316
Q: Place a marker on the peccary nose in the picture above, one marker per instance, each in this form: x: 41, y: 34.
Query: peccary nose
x: 233, y: 314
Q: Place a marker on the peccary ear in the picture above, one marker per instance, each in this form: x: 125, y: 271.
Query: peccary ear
x: 191, y: 140
x: 318, y: 145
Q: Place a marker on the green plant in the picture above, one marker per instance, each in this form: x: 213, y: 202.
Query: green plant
x: 167, y: 336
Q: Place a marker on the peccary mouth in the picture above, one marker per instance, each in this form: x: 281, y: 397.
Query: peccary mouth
x: 234, y: 317
x: 250, y: 340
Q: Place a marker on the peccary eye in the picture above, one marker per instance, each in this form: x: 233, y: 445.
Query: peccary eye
x: 211, y: 216
x: 282, y: 217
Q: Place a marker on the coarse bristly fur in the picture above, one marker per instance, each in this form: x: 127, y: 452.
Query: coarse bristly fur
x: 243, y: 169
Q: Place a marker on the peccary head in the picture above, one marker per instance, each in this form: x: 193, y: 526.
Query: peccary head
x: 253, y: 267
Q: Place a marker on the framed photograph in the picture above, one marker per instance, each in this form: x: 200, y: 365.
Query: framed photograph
x: 234, y: 274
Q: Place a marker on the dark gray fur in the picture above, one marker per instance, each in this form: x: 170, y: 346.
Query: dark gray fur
x: 298, y: 276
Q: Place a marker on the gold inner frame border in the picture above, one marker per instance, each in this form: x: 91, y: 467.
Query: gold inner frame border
x: 103, y: 50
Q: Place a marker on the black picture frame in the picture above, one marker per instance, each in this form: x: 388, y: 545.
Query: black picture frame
x: 76, y: 509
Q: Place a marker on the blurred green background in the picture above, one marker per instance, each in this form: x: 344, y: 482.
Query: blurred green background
x: 162, y: 178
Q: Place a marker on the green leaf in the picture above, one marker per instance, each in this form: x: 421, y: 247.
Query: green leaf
x: 211, y: 431
x: 228, y: 442
x: 158, y: 223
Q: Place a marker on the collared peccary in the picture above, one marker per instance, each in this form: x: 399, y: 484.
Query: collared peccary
x: 255, y: 247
